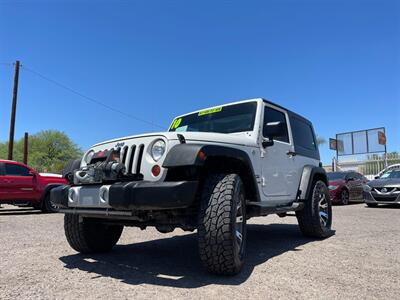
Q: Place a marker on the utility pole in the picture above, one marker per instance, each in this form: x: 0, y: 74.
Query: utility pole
x: 26, y: 148
x: 13, y: 112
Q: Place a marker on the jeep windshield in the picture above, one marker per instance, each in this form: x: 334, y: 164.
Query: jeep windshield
x: 224, y: 119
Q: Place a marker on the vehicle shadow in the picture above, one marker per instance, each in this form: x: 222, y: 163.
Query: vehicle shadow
x: 383, y: 206
x: 19, y: 211
x: 174, y: 261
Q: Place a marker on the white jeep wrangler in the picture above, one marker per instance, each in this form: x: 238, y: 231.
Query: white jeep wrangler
x: 213, y: 170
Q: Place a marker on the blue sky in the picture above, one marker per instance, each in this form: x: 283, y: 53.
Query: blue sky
x: 335, y: 62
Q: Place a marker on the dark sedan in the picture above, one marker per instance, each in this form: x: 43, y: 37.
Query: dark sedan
x: 346, y: 186
x: 384, y: 190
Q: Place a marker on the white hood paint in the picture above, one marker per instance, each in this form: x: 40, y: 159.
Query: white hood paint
x: 241, y: 138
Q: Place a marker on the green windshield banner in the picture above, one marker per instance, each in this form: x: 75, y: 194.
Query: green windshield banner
x: 209, y: 111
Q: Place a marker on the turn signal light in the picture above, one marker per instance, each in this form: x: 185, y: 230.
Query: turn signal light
x: 156, y: 170
x: 202, y: 155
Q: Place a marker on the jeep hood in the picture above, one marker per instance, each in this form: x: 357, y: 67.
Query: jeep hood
x: 241, y: 138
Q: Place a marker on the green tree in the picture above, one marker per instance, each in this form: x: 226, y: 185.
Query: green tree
x: 48, y: 151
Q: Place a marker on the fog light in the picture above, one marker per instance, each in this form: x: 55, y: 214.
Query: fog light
x: 72, y: 196
x: 103, y: 194
x: 156, y: 170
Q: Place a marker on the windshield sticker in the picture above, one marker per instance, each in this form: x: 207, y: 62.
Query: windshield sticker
x: 209, y: 111
x: 176, y: 123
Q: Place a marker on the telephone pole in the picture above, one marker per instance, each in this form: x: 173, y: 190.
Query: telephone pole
x: 26, y: 148
x: 13, y: 112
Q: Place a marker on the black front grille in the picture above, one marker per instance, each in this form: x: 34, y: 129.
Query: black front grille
x: 385, y: 198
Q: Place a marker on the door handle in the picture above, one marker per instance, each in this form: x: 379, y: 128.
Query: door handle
x: 291, y: 153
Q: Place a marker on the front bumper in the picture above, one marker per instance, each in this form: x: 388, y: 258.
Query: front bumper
x: 126, y: 196
x: 372, y: 197
x: 336, y: 195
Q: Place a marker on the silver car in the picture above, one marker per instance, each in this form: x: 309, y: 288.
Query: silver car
x: 384, y: 190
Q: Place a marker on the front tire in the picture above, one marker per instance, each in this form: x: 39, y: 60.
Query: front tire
x: 86, y: 236
x: 222, y: 224
x: 47, y: 206
x: 315, y: 219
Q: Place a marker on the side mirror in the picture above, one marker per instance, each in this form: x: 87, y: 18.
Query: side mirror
x: 273, y: 130
x: 31, y: 173
x: 376, y: 177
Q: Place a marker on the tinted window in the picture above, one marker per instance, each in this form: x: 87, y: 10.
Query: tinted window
x: 16, y: 170
x: 303, y: 134
x: 351, y: 175
x: 336, y: 175
x: 272, y: 115
x: 359, y: 176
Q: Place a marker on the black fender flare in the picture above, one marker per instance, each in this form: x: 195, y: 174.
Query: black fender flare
x: 307, y: 178
x: 47, y: 190
x: 188, y: 155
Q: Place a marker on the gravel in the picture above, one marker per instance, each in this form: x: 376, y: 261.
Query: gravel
x: 362, y: 261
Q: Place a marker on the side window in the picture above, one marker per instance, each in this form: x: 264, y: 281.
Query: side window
x: 303, y: 135
x: 273, y: 115
x: 16, y: 170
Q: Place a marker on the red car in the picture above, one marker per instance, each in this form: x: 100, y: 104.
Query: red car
x: 346, y: 186
x: 22, y: 186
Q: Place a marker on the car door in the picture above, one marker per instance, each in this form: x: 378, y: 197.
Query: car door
x: 19, y: 182
x: 351, y: 182
x: 3, y: 185
x: 359, y: 186
x: 280, y: 178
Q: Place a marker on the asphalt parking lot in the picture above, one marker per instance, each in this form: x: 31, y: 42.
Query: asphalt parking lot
x: 362, y: 260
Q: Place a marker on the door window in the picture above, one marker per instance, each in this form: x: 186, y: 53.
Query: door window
x: 273, y: 115
x: 303, y: 135
x: 16, y: 170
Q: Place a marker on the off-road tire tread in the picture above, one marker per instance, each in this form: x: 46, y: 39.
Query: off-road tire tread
x: 88, y: 237
x: 216, y: 243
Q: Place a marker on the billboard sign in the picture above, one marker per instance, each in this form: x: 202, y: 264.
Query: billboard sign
x: 361, y: 142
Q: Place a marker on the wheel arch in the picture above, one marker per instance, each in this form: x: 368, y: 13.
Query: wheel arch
x: 310, y: 175
x: 205, y: 159
x: 46, y: 191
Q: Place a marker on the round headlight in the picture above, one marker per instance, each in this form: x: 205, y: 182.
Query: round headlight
x: 158, y: 149
x: 89, y: 156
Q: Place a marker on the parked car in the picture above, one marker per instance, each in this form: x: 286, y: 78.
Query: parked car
x: 387, y: 169
x: 346, y: 186
x: 212, y: 171
x: 384, y: 190
x: 21, y: 185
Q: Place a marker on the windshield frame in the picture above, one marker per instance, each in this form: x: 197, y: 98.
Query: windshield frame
x: 210, y: 110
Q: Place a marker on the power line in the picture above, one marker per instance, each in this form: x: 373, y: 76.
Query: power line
x: 88, y: 98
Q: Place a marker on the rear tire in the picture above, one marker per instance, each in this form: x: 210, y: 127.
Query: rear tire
x: 87, y: 236
x: 222, y: 224
x: 315, y: 219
